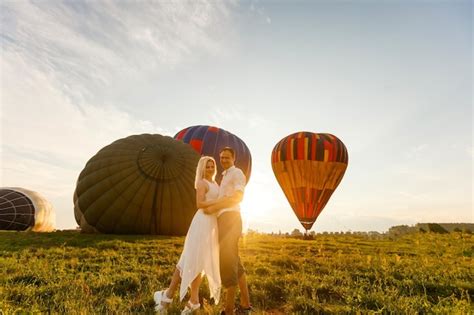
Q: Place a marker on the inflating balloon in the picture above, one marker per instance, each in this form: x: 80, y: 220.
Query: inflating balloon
x: 25, y: 210
x: 309, y: 167
x: 142, y: 184
x: 208, y: 140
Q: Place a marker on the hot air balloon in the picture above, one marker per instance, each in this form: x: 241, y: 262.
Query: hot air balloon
x: 208, y: 140
x: 25, y: 210
x: 309, y: 166
x: 142, y: 184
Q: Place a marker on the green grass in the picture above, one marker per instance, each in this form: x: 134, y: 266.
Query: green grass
x: 68, y: 272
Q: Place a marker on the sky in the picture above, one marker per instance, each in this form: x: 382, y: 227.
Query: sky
x: 391, y: 79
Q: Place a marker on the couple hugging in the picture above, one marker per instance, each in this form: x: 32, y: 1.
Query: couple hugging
x: 211, y: 244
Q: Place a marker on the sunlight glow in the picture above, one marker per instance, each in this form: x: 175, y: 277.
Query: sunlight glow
x: 256, y: 206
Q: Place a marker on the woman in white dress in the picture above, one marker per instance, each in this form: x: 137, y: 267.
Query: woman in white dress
x: 200, y: 254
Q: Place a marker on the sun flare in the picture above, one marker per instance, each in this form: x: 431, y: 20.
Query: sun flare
x: 255, y: 207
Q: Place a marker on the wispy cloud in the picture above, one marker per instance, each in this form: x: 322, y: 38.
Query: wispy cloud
x: 415, y: 174
x: 258, y: 9
x: 93, y: 43
x: 417, y: 151
x: 55, y: 59
x: 47, y: 139
x: 230, y: 114
x: 40, y: 118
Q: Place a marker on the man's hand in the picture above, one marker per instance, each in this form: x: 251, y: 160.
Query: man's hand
x: 224, y: 202
x: 212, y: 209
x: 206, y: 211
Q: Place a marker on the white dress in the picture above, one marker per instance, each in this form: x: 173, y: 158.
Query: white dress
x: 201, y: 250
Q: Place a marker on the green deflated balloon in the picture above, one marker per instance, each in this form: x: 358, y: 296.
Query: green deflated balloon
x: 142, y: 184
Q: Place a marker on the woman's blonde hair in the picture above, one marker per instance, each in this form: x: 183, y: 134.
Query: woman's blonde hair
x: 201, y: 169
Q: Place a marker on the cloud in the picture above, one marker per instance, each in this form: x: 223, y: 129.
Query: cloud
x: 416, y: 174
x: 41, y: 118
x: 236, y: 115
x: 259, y: 11
x: 249, y: 125
x: 416, y: 151
x: 96, y: 43
x: 58, y: 57
x: 47, y: 138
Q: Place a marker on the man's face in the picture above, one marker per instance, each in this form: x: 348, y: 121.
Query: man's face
x: 226, y: 159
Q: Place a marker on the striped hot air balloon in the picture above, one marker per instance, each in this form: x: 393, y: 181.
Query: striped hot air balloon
x: 209, y: 140
x: 309, y: 167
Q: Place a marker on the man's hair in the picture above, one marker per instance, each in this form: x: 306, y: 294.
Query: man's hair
x: 232, y: 151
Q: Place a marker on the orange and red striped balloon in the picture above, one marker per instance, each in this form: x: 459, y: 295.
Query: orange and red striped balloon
x: 309, y: 167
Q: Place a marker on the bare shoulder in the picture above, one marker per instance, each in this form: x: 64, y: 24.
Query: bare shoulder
x: 202, y: 184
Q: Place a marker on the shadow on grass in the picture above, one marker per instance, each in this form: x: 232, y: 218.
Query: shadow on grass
x: 12, y: 241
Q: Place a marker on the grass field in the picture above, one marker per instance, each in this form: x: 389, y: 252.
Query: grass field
x: 68, y: 272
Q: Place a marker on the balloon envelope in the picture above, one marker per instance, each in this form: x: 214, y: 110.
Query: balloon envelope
x: 309, y: 167
x: 22, y: 209
x: 142, y: 184
x: 208, y: 140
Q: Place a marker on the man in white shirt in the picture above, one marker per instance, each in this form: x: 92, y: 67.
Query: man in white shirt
x: 231, y: 193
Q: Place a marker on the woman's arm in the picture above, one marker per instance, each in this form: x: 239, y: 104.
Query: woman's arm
x: 201, y: 190
x: 225, y: 202
x: 204, y: 204
x: 214, y: 202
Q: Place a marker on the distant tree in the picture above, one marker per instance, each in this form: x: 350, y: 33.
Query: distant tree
x: 251, y: 232
x: 296, y: 233
x: 374, y: 234
x: 402, y: 230
x: 467, y: 231
x: 436, y: 228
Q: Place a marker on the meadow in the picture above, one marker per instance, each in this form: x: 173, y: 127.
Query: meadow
x: 69, y: 272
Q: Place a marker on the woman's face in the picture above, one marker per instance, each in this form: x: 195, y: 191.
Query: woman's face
x: 210, y: 168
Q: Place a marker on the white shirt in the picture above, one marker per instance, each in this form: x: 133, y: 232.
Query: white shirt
x: 233, y: 179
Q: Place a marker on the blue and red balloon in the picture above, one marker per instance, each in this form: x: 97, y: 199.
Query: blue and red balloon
x: 209, y: 140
